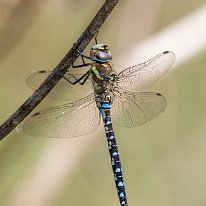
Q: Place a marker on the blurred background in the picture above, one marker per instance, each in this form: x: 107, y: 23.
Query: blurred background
x: 163, y: 161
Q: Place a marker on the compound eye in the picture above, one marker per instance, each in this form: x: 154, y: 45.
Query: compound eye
x: 109, y: 55
x: 101, y: 55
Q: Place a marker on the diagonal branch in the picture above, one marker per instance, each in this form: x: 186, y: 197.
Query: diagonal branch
x: 38, y: 95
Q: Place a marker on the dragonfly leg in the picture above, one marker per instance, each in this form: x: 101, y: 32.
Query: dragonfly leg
x: 80, y: 65
x: 83, y: 61
x: 96, y: 37
x: 83, y: 77
x: 82, y: 56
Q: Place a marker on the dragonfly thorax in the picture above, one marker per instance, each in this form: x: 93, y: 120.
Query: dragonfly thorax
x: 104, y: 78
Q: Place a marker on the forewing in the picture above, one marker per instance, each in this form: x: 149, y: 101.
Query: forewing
x: 131, y: 110
x: 143, y: 76
x: 69, y: 120
x: 63, y: 90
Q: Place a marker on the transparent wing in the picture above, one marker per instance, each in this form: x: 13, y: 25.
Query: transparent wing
x: 69, y: 120
x: 142, y: 76
x: 63, y: 90
x: 131, y: 110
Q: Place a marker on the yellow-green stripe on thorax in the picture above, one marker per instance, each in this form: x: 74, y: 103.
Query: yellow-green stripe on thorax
x: 102, y: 69
x: 96, y: 72
x: 101, y: 75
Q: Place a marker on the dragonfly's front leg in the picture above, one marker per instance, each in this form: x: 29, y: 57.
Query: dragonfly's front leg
x: 81, y: 80
x: 84, y: 77
x: 83, y: 61
x: 80, y: 65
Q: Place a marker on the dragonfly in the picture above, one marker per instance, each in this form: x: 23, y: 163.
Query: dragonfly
x: 121, y: 98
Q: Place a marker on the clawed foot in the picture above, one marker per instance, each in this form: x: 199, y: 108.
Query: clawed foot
x: 76, y: 50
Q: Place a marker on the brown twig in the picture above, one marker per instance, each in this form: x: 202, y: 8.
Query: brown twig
x: 38, y: 95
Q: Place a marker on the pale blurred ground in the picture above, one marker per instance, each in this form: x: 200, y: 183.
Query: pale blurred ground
x: 163, y: 161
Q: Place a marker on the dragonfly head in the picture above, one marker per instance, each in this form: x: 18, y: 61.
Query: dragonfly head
x: 100, y: 53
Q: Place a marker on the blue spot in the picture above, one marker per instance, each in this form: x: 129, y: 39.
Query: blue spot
x: 106, y: 106
x: 103, y: 113
x: 108, y: 123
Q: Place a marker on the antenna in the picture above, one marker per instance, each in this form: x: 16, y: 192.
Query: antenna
x: 96, y: 37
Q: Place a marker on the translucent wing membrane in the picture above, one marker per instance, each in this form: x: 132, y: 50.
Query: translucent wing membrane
x: 69, y: 120
x: 131, y: 110
x: 63, y: 90
x: 131, y: 106
x: 142, y: 76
